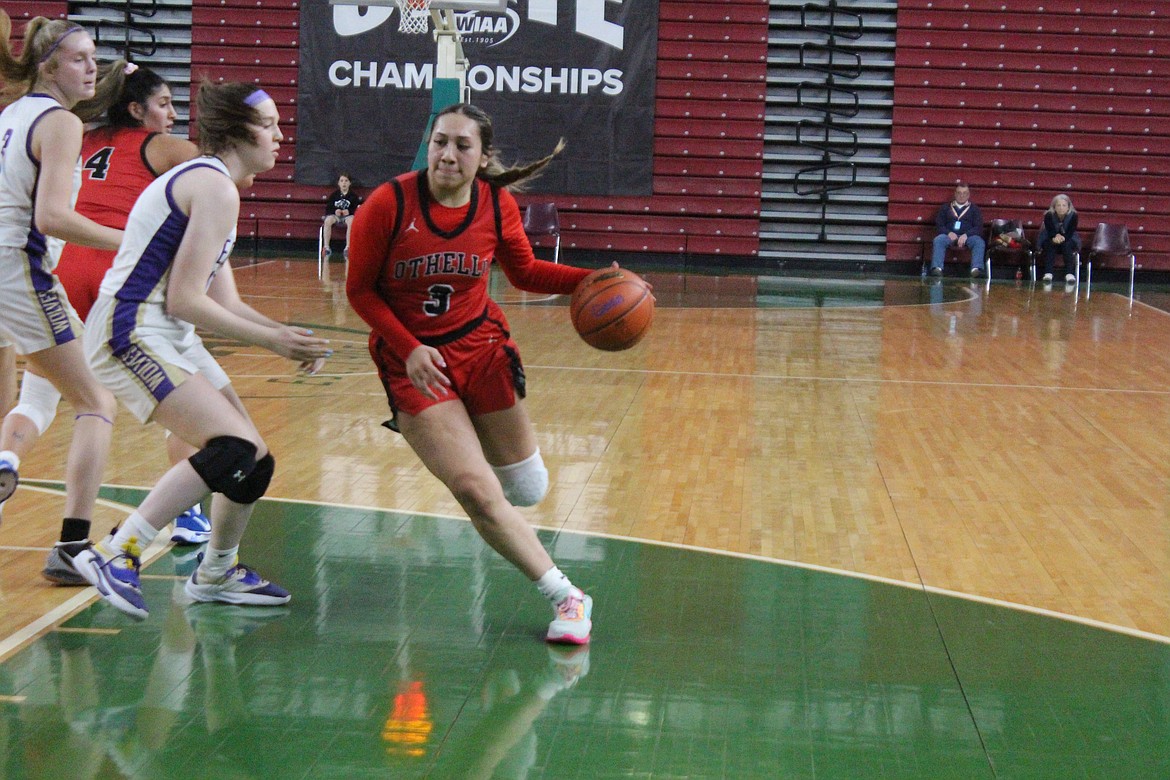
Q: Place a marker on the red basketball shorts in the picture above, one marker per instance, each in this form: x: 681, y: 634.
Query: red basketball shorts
x: 81, y: 270
x: 484, y: 368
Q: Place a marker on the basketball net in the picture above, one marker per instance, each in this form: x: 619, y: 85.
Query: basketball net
x: 414, y: 16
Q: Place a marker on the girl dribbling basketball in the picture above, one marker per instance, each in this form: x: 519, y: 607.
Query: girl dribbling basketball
x: 421, y: 252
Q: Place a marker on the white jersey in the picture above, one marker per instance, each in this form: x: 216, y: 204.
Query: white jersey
x: 18, y: 181
x: 142, y: 268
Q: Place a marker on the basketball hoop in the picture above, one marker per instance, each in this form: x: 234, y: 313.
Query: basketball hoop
x: 413, y: 16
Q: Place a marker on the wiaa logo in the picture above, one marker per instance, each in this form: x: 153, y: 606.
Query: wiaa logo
x: 487, y: 29
x: 490, y: 29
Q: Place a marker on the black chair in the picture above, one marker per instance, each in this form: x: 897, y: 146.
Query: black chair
x: 541, y: 219
x: 1111, y: 246
x: 1020, y: 255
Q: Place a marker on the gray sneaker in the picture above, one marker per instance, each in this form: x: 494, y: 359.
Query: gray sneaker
x: 57, y: 571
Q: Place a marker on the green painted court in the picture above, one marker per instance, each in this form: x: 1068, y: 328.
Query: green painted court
x: 410, y: 650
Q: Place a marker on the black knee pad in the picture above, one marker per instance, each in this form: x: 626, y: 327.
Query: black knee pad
x: 255, y: 484
x: 225, y: 463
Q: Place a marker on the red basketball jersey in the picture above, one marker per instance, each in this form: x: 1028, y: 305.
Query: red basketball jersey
x: 114, y: 172
x: 428, y: 264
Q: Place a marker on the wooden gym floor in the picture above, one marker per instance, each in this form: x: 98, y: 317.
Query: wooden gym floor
x: 834, y: 528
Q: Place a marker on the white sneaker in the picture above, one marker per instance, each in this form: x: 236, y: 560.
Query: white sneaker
x: 572, y: 624
x: 1070, y: 278
x: 241, y: 585
x: 1047, y: 278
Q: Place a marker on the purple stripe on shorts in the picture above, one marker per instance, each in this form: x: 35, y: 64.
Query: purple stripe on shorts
x: 52, y: 305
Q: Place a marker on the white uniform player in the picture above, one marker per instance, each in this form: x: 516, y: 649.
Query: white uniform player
x: 169, y: 277
x: 34, y: 312
x: 134, y: 347
x: 60, y: 86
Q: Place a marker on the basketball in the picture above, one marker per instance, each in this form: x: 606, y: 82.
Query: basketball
x: 612, y: 309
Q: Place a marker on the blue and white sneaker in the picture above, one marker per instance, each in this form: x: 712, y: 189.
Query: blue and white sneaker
x: 9, y: 479
x: 240, y: 585
x: 191, y: 527
x: 114, y: 574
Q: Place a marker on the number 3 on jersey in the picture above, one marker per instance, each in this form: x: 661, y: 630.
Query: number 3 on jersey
x: 440, y: 300
x: 98, y: 163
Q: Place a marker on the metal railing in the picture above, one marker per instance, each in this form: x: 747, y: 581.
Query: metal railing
x: 825, y: 134
x: 129, y: 35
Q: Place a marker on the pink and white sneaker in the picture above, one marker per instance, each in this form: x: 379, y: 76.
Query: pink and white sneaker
x: 572, y: 624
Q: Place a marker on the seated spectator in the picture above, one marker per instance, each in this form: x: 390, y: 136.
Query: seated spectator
x: 1059, y: 234
x: 960, y: 224
x: 339, y: 210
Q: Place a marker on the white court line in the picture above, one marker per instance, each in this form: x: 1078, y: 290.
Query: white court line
x: 1090, y: 622
x: 765, y: 377
x: 845, y: 379
x: 13, y: 643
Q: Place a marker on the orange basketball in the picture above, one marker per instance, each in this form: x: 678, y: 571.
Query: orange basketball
x: 612, y: 309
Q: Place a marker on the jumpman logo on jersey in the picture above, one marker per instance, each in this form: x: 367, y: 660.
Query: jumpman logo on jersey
x: 411, y: 227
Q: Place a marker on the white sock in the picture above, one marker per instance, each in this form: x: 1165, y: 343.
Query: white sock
x: 134, y: 530
x: 554, y: 585
x: 12, y: 458
x: 217, y: 562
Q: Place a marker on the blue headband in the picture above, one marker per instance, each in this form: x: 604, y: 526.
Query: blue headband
x: 56, y: 43
x: 256, y: 98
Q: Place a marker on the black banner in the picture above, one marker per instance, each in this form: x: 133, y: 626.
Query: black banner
x: 364, y: 91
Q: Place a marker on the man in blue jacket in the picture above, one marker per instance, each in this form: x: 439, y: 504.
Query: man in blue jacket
x: 959, y: 223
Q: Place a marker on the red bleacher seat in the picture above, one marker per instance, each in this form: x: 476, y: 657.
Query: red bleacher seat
x: 682, y: 87
x: 979, y: 46
x: 724, y: 34
x: 650, y: 242
x: 1024, y: 21
x: 702, y: 185
x: 669, y: 204
x: 269, y: 77
x: 964, y: 10
x: 265, y: 57
x: 708, y: 147
x: 20, y: 11
x: 720, y: 72
x: 722, y: 245
x: 274, y: 37
x: 1032, y: 100
x: 698, y: 166
x: 709, y: 128
x: 975, y: 80
x: 989, y: 119
x: 714, y: 12
x: 1048, y: 141
x: 266, y: 4
x: 701, y: 51
x: 708, y: 109
x: 203, y: 16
